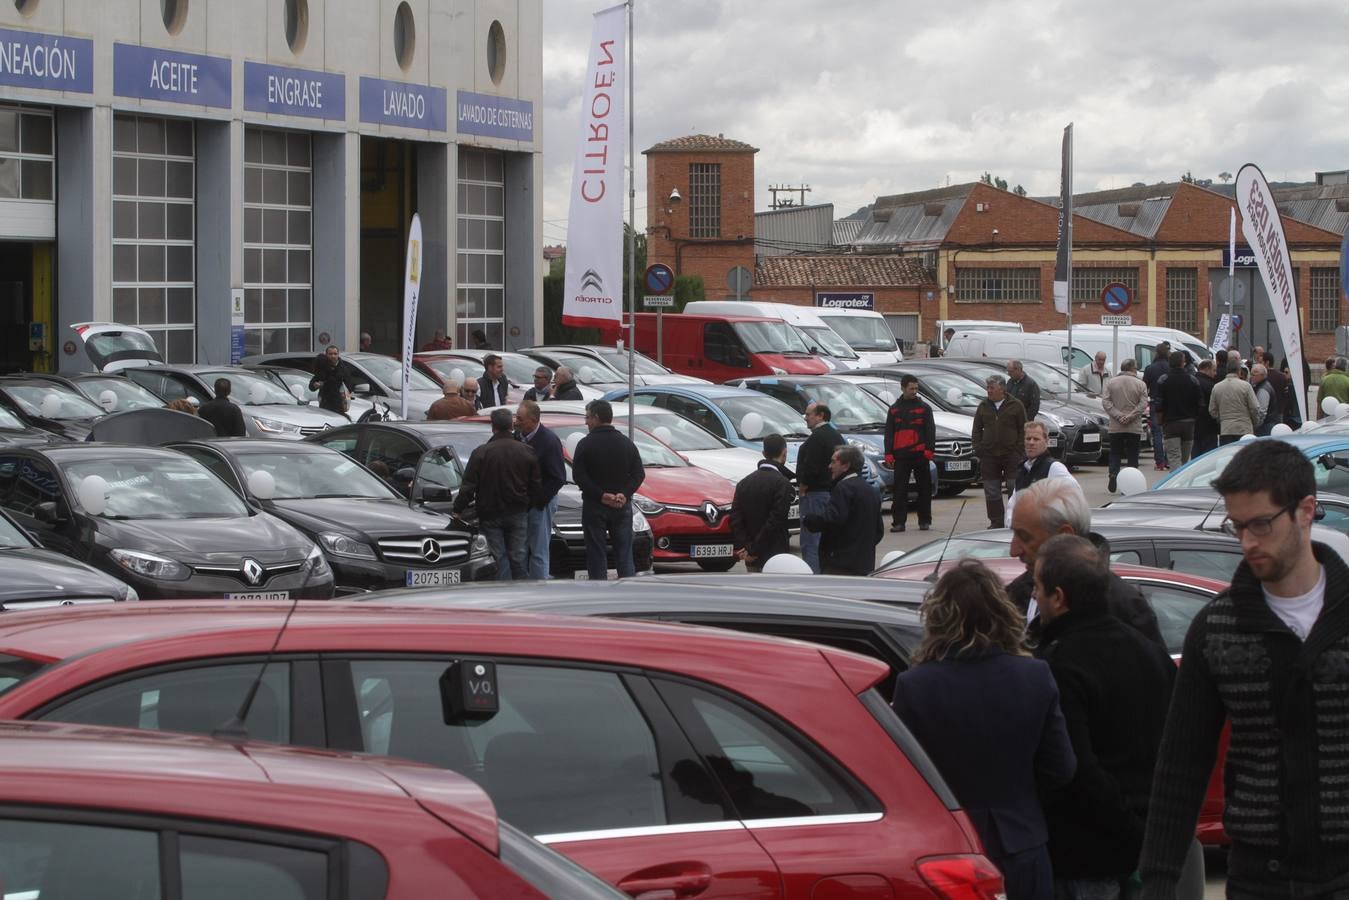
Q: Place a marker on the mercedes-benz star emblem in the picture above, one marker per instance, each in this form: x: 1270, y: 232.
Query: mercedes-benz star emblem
x: 710, y: 512
x: 431, y: 550
x: 252, y: 571
x: 592, y: 279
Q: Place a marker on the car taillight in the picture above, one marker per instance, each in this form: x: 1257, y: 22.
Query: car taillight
x: 969, y: 876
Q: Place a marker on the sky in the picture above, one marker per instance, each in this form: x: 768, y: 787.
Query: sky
x: 860, y: 98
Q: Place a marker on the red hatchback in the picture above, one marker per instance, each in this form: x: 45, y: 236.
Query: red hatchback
x: 671, y: 761
x: 97, y: 812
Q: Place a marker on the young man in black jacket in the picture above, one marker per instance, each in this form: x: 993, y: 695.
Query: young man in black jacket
x: 226, y: 416
x: 502, y: 480
x: 608, y: 469
x: 812, y: 475
x: 910, y: 433
x: 851, y: 521
x: 1271, y: 657
x: 1114, y: 686
x: 760, y: 508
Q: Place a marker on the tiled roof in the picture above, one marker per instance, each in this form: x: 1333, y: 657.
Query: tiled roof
x: 842, y: 271
x: 701, y: 143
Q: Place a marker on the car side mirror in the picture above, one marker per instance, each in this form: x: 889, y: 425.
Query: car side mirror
x: 362, y: 389
x: 48, y: 513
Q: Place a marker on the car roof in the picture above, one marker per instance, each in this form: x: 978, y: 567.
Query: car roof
x: 99, y: 450
x: 247, y: 444
x: 709, y: 391
x: 796, y: 379
x: 1107, y: 531
x: 1008, y: 568
x: 198, y: 776
x: 33, y: 378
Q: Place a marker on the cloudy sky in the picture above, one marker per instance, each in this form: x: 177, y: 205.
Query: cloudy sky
x: 865, y: 97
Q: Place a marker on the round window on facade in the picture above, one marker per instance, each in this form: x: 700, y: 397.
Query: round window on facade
x: 26, y: 7
x: 175, y: 14
x: 404, y: 35
x: 297, y: 24
x: 496, y: 52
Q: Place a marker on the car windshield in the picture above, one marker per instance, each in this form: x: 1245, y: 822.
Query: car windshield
x: 519, y: 368
x: 389, y: 373
x: 829, y: 339
x: 1201, y: 471
x: 777, y: 416
x: 882, y: 389
x: 952, y: 390
x: 126, y: 394
x: 851, y: 406
x: 652, y: 451
x: 307, y: 476
x: 956, y: 548
x: 770, y: 337
x: 642, y: 365
x: 14, y: 669
x: 863, y: 332
x: 250, y: 389
x: 108, y: 343
x: 9, y: 420
x: 50, y: 401
x: 1051, y: 379
x: 587, y: 369
x: 157, y: 487
x: 293, y: 378
x: 676, y: 431
x: 12, y: 536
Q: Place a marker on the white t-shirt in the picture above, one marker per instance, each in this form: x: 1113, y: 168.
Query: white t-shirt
x: 1299, y: 613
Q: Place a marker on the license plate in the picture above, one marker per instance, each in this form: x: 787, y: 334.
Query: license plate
x: 711, y: 551
x: 1091, y: 438
x: 432, y: 578
x: 958, y: 465
x: 259, y: 595
x: 1053, y: 442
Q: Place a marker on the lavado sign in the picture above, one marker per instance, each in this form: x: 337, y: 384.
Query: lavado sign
x: 410, y: 105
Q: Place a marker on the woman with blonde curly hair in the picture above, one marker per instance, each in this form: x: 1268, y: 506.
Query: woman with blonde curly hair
x: 988, y: 715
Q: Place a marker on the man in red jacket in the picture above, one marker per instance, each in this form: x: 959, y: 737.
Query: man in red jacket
x: 910, y: 433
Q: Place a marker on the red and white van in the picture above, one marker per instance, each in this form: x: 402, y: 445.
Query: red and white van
x: 720, y: 347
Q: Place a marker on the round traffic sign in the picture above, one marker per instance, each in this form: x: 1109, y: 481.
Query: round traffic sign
x: 659, y: 279
x: 1237, y: 322
x: 1116, y: 297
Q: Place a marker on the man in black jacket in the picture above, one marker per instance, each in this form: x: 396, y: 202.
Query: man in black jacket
x: 1177, y: 395
x: 1159, y: 366
x: 910, y: 434
x: 493, y: 387
x: 1271, y: 657
x: 1114, y: 687
x: 760, y: 507
x: 226, y: 416
x: 1023, y: 387
x: 608, y: 469
x: 1057, y: 506
x: 502, y: 476
x: 564, y: 385
x: 552, y: 475
x: 812, y: 475
x: 851, y: 521
x: 1205, y: 426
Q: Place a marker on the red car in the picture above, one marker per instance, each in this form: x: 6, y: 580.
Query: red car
x: 1176, y: 597
x: 101, y: 812
x: 670, y: 761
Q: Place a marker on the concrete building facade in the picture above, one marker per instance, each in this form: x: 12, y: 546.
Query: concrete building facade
x: 240, y: 177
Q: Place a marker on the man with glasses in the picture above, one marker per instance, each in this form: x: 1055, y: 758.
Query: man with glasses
x: 470, y: 392
x: 543, y: 385
x: 1270, y: 656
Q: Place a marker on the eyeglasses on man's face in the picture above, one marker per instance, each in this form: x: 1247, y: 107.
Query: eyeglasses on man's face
x: 1259, y: 526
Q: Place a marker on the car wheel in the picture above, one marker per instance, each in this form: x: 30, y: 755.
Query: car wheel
x: 716, y: 565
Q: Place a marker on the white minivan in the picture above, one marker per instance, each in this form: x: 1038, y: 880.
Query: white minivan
x: 820, y: 337
x: 1046, y: 348
x: 866, y: 331
x: 1136, y: 342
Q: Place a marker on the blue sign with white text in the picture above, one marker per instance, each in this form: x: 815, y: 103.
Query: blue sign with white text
x: 1245, y: 258
x: 498, y: 117
x: 48, y: 61
x: 410, y: 105
x: 846, y: 300
x: 154, y: 74
x: 294, y: 92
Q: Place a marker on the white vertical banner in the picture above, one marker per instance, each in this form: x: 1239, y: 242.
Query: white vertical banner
x: 593, y: 290
x: 1263, y: 230
x: 412, y: 282
x: 1063, y: 261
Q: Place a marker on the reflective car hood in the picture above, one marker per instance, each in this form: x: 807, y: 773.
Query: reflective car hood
x: 1073, y: 414
x: 671, y: 378
x: 32, y: 574
x: 206, y: 540
x: 301, y: 416
x: 31, y: 437
x: 373, y: 517
x: 954, y: 421
x: 733, y: 463
x: 686, y: 486
x: 70, y: 429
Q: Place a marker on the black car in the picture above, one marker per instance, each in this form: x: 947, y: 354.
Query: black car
x: 391, y: 447
x: 372, y: 537
x: 41, y: 403
x: 158, y: 520
x: 15, y: 432
x: 111, y: 393
x: 35, y: 578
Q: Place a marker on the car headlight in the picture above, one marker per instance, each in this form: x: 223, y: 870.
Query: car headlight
x: 148, y: 565
x: 639, y: 522
x: 341, y: 545
x: 1056, y: 421
x: 479, y: 546
x: 317, y: 562
x: 272, y: 426
x: 647, y: 505
x: 777, y: 371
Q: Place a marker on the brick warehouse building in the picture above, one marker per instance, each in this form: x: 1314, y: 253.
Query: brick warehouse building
x: 972, y: 251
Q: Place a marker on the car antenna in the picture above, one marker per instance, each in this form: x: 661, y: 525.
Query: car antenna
x: 234, y: 730
x: 949, y: 535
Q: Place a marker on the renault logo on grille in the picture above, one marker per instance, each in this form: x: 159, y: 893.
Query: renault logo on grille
x: 252, y: 571
x: 431, y: 550
x: 710, y: 512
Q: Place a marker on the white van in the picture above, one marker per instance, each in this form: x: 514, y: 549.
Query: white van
x: 1018, y: 345
x: 866, y: 331
x: 1136, y: 342
x: 973, y: 325
x: 824, y: 340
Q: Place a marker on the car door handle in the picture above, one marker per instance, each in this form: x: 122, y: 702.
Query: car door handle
x: 672, y: 881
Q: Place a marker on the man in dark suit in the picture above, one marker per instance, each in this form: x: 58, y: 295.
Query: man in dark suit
x: 812, y: 474
x: 225, y: 415
x: 759, y: 509
x: 552, y: 474
x: 851, y: 522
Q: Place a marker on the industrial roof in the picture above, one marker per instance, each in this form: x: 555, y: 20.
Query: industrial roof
x: 701, y: 143
x: 837, y: 270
